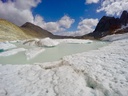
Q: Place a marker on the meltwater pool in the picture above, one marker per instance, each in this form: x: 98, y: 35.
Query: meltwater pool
x: 51, y: 53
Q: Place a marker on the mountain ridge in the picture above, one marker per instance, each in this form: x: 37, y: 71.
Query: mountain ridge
x: 106, y: 26
x: 110, y: 25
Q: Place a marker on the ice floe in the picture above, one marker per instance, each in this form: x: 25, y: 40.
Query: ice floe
x: 31, y: 53
x: 79, y: 41
x: 47, y: 42
x: 6, y: 45
x: 12, y: 52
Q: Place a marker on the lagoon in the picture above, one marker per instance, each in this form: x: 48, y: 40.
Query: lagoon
x: 51, y: 53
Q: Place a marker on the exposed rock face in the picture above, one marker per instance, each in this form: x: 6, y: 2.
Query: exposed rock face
x: 107, y: 25
x: 124, y: 18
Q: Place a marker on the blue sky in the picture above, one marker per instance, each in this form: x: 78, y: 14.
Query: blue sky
x: 61, y: 17
x: 53, y: 10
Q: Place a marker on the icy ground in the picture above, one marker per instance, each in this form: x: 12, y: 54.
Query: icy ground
x: 6, y: 45
x: 102, y: 72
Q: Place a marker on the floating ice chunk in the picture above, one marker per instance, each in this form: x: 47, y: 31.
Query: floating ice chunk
x: 41, y: 42
x: 79, y: 41
x: 31, y: 53
x: 47, y: 42
x: 7, y: 45
x: 12, y: 52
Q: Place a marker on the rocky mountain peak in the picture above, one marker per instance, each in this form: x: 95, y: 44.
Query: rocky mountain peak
x: 28, y: 24
x: 107, y: 25
x: 124, y: 18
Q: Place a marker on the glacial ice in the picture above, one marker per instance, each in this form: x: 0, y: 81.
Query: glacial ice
x: 31, y: 53
x: 102, y: 72
x: 6, y: 45
x: 12, y: 52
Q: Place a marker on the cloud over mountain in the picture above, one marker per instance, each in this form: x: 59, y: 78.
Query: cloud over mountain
x: 85, y: 26
x: 113, y: 7
x: 64, y: 23
x: 20, y: 12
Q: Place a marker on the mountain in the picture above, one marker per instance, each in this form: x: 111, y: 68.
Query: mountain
x: 110, y: 25
x: 9, y: 31
x: 106, y: 26
x: 36, y: 31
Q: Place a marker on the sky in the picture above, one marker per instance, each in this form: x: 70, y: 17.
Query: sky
x: 61, y: 17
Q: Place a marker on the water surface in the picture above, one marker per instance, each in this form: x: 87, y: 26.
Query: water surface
x: 52, y: 53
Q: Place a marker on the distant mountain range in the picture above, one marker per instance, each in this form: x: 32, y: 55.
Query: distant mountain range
x: 106, y: 26
x: 10, y: 31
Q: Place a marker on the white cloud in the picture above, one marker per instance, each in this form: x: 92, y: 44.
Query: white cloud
x: 87, y: 25
x: 114, y: 7
x: 64, y: 23
x: 19, y: 12
x: 91, y: 1
x: 26, y: 4
x: 84, y: 27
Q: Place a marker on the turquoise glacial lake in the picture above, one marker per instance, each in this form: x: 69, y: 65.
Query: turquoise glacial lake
x: 51, y: 53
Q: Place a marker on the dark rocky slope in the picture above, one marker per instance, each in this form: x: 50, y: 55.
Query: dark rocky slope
x: 110, y: 25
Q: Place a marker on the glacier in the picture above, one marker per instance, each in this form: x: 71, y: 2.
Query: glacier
x: 102, y: 72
